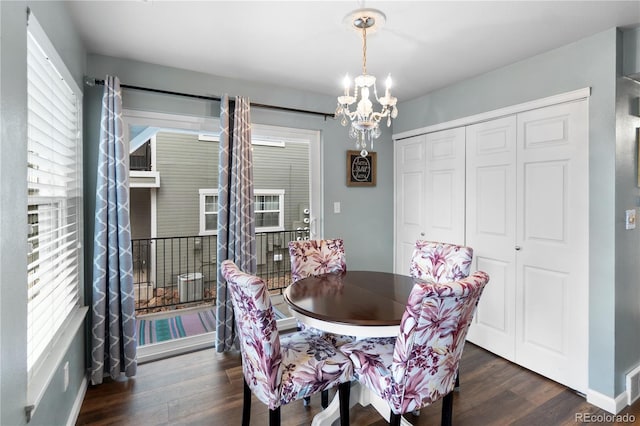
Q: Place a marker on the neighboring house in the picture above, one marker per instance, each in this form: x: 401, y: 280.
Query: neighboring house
x: 179, y: 204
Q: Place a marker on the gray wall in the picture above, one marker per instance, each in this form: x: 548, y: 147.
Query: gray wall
x: 613, y: 261
x: 627, y: 281
x: 55, y: 406
x: 366, y: 220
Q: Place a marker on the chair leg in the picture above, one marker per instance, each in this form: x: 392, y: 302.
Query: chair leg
x: 325, y: 398
x: 274, y: 417
x: 394, y: 419
x: 246, y: 405
x: 344, y: 390
x: 447, y: 409
x: 306, y: 401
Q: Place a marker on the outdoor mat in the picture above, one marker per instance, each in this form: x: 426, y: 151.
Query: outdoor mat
x: 179, y: 326
x: 176, y: 327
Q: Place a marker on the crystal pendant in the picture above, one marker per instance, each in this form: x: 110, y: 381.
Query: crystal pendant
x: 344, y: 121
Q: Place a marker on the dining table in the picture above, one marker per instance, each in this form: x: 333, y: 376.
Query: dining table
x: 354, y: 303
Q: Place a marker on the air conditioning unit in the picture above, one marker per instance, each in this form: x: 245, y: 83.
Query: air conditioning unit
x: 190, y: 287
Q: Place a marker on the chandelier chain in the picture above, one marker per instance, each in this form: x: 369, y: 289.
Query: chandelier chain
x: 364, y: 48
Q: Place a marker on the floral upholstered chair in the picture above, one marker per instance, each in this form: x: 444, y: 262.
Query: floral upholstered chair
x: 419, y: 366
x: 279, y: 370
x: 310, y: 258
x: 440, y: 262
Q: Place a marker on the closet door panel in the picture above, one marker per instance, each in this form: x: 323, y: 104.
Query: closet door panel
x: 445, y: 186
x: 491, y: 226
x: 552, y: 273
x: 410, y: 199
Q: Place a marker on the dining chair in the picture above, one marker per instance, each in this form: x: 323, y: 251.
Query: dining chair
x: 280, y: 369
x: 440, y: 262
x: 310, y: 258
x: 419, y: 366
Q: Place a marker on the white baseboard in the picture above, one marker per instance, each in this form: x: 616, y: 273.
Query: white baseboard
x: 77, y: 404
x: 607, y: 403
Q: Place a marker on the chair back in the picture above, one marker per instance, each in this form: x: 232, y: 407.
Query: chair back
x: 440, y: 262
x: 431, y: 338
x: 311, y: 258
x: 257, y: 331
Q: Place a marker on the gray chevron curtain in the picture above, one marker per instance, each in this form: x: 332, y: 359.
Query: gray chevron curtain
x: 236, y: 224
x: 113, y: 331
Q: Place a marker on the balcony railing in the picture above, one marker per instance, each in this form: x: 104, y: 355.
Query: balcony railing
x: 178, y: 272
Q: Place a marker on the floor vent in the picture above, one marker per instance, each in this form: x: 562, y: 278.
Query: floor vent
x: 633, y: 386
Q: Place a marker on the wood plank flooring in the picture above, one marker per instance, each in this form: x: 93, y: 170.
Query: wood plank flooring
x: 205, y: 388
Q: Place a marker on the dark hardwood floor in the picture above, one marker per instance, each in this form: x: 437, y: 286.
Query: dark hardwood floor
x: 205, y: 388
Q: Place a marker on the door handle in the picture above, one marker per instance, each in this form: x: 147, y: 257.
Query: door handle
x: 518, y: 248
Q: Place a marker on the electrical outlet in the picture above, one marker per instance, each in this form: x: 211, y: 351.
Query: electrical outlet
x: 630, y: 219
x: 277, y: 257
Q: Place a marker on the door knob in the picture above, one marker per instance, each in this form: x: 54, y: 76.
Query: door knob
x: 518, y: 248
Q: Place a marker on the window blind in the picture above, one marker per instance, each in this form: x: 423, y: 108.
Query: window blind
x: 54, y: 176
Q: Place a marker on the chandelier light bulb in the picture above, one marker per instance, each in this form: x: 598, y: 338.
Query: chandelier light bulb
x: 347, y: 84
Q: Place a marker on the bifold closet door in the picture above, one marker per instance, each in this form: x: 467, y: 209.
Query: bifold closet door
x: 445, y: 186
x: 552, y: 235
x: 409, y: 199
x: 491, y: 230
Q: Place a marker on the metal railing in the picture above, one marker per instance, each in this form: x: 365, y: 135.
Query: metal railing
x: 177, y: 272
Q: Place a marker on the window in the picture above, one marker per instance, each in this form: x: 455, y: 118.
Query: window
x: 208, y: 212
x: 54, y: 175
x: 269, y: 210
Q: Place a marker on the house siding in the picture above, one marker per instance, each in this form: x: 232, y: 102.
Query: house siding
x: 187, y: 165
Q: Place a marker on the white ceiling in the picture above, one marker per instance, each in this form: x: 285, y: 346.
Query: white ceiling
x: 425, y: 45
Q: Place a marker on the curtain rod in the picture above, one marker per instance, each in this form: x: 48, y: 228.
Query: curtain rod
x: 93, y: 81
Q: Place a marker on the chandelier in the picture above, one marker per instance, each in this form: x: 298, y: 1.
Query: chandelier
x: 364, y: 119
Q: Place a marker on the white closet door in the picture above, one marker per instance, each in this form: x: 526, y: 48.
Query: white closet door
x: 491, y: 228
x: 444, y: 185
x: 552, y: 273
x: 410, y: 199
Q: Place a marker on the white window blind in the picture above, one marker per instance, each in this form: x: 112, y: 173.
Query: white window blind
x: 55, y: 196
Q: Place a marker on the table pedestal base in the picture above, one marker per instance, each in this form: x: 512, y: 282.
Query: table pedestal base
x: 359, y: 395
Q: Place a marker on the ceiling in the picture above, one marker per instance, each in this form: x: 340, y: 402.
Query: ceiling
x: 424, y: 45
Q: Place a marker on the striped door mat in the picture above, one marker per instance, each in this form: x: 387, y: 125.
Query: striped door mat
x: 152, y: 330
x: 176, y: 327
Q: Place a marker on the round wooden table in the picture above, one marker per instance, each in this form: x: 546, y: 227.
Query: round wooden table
x: 356, y: 303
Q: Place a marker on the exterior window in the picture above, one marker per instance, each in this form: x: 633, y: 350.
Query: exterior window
x: 54, y: 211
x: 269, y: 210
x: 208, y: 212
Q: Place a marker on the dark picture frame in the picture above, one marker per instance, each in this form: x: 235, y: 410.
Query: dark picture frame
x: 361, y: 171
